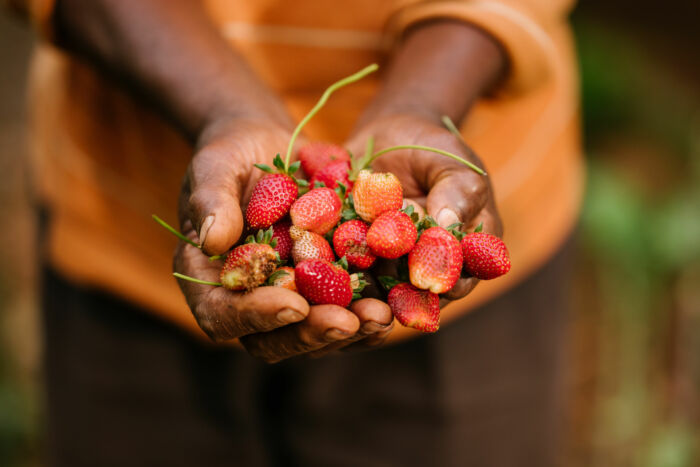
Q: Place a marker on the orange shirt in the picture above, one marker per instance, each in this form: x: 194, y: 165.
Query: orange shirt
x: 105, y: 162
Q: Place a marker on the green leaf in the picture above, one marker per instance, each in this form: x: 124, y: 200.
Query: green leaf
x: 349, y: 214
x: 343, y: 263
x: 278, y: 162
x: 301, y: 182
x: 356, y: 296
x: 409, y: 210
x: 294, y: 167
x: 454, y: 226
x: 273, y: 242
x: 388, y: 282
x: 479, y: 227
x: 341, y: 190
x: 264, y: 168
x: 276, y: 275
x: 250, y: 239
x: 318, y: 184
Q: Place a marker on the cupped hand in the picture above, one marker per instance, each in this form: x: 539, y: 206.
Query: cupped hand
x: 272, y: 323
x: 447, y: 190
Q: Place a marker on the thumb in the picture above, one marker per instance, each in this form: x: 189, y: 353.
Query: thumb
x: 457, y: 195
x: 213, y: 205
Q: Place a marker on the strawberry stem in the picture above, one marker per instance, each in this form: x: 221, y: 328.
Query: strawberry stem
x: 197, y: 281
x: 450, y: 125
x: 175, y: 232
x: 322, y: 101
x: 425, y: 148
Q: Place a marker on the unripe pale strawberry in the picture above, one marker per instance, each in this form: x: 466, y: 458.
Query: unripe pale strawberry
x: 248, y: 266
x: 485, y: 255
x: 435, y: 262
x: 323, y: 283
x: 333, y: 173
x: 376, y: 193
x: 415, y: 308
x: 317, y: 155
x: 271, y: 199
x: 317, y: 211
x: 350, y: 241
x: 283, y: 277
x: 392, y: 235
x: 309, y: 245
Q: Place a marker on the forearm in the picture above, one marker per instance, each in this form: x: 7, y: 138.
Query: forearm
x: 441, y: 68
x: 170, y: 53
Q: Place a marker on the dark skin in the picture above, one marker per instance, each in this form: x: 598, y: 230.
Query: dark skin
x: 169, y: 53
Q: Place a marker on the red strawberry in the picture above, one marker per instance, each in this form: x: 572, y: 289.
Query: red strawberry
x: 283, y: 277
x: 309, y: 245
x: 248, y: 266
x: 315, y: 156
x: 435, y: 262
x: 415, y: 308
x: 317, y: 211
x: 392, y: 234
x: 485, y: 256
x: 323, y: 283
x: 333, y: 173
x: 350, y: 240
x: 271, y: 199
x: 376, y: 193
x: 280, y: 232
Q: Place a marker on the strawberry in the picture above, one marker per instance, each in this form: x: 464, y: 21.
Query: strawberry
x: 280, y: 232
x: 333, y: 173
x: 415, y: 308
x: 317, y: 211
x: 325, y: 283
x: 249, y: 265
x: 315, y: 156
x: 283, y: 277
x: 309, y: 245
x: 392, y: 234
x: 485, y: 255
x: 435, y: 262
x: 350, y: 241
x: 273, y: 195
x: 376, y: 193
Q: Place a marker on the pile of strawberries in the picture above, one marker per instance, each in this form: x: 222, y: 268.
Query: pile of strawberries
x: 343, y: 220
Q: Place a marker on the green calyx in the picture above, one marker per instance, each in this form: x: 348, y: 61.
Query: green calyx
x: 388, y: 282
x: 264, y: 237
x: 358, y: 284
x: 278, y: 163
x: 322, y: 101
x: 276, y: 275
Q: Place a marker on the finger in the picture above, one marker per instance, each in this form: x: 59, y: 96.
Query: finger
x: 213, y: 205
x: 370, y: 342
x: 324, y: 324
x: 375, y: 316
x: 456, y: 195
x: 224, y: 314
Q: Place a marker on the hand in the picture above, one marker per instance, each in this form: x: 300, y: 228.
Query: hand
x: 273, y: 323
x: 449, y: 191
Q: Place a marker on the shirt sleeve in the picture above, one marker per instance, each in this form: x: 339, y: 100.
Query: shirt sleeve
x: 522, y: 27
x: 38, y: 12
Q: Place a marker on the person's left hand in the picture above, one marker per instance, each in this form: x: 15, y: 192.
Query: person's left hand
x: 448, y: 191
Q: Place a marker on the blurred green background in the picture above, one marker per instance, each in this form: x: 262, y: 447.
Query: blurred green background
x: 635, y: 356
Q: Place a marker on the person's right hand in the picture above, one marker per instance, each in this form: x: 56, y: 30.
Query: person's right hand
x: 272, y: 323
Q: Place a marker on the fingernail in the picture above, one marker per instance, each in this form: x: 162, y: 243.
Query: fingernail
x: 370, y: 327
x: 204, y: 230
x: 336, y: 335
x: 447, y: 217
x: 289, y: 316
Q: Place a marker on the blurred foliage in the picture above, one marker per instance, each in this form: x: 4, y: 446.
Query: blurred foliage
x: 641, y: 229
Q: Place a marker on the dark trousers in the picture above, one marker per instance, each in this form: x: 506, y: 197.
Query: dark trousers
x: 125, y: 389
